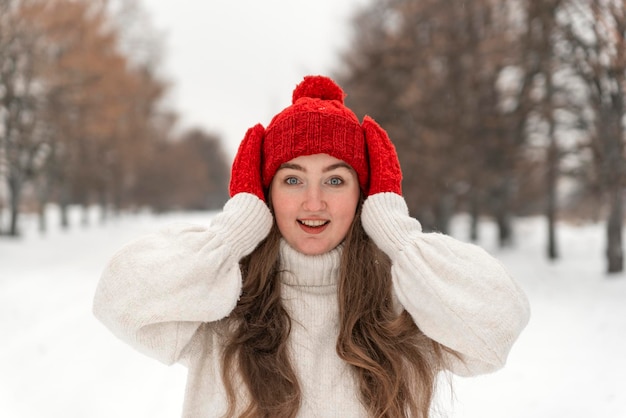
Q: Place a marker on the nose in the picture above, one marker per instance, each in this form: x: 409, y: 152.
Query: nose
x: 314, y: 199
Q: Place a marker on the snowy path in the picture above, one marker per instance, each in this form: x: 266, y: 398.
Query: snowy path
x: 56, y: 360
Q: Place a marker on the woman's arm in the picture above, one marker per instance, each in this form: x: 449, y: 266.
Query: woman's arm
x: 456, y: 292
x: 157, y: 290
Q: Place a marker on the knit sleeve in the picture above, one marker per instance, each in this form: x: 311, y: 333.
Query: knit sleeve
x: 156, y: 291
x: 456, y: 293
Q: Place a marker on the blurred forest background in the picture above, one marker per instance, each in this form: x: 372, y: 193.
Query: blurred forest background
x: 498, y: 108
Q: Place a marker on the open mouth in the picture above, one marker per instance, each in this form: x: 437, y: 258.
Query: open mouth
x: 313, y: 223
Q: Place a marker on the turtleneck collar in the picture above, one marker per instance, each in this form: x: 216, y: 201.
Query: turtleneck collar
x: 309, y: 270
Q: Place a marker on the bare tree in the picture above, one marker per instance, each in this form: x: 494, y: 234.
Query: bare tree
x: 597, y: 33
x: 540, y: 42
x: 429, y: 72
x: 20, y: 128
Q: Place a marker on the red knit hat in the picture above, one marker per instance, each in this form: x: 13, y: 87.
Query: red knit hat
x: 317, y: 122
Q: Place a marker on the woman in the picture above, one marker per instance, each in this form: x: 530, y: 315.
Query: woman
x: 313, y: 293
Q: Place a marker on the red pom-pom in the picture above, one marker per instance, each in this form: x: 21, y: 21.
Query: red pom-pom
x: 319, y: 87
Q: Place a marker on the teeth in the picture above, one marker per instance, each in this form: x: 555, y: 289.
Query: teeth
x: 314, y: 223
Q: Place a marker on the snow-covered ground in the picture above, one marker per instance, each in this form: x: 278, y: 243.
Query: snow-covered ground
x: 56, y: 360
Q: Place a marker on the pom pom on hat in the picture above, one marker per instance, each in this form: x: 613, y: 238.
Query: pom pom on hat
x: 318, y: 87
x: 317, y: 122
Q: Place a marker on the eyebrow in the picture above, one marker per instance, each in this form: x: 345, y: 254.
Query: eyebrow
x: 331, y: 167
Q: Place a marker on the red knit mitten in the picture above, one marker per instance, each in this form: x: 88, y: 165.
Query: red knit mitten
x: 245, y: 175
x: 385, y: 173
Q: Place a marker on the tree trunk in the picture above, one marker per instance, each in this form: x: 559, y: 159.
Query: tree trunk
x: 551, y: 204
x: 503, y: 213
x: 41, y: 219
x: 552, y: 173
x: 474, y: 216
x: 505, y: 230
x: 64, y: 202
x: 15, y: 192
x: 552, y: 250
x: 613, y: 181
x: 614, y: 251
x: 43, y: 192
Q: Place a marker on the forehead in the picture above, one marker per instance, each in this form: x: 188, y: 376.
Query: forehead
x: 315, y: 160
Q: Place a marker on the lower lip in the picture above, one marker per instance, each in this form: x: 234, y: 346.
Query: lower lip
x: 313, y: 230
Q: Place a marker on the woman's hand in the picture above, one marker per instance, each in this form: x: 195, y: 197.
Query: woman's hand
x: 245, y: 176
x: 385, y: 172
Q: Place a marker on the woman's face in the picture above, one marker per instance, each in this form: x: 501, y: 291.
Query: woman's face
x: 314, y: 199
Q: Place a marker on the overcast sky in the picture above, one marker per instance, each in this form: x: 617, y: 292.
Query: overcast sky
x: 235, y: 63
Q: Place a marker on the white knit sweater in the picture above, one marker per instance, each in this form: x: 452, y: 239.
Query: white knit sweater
x: 163, y: 293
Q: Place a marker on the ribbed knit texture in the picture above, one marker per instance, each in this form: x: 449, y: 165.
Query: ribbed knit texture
x: 145, y: 292
x: 305, y: 132
x: 309, y: 294
x: 456, y: 292
x: 385, y: 173
x: 245, y: 174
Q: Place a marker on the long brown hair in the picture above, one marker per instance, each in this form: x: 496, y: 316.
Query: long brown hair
x: 395, y: 363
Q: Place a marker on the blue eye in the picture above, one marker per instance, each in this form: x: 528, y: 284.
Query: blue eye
x: 335, y: 181
x: 291, y: 180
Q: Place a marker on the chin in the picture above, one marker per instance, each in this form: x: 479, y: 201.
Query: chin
x: 314, y: 249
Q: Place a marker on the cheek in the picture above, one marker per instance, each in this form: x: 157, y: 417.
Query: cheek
x: 348, y: 208
x: 281, y: 208
x: 281, y: 218
x: 349, y: 218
